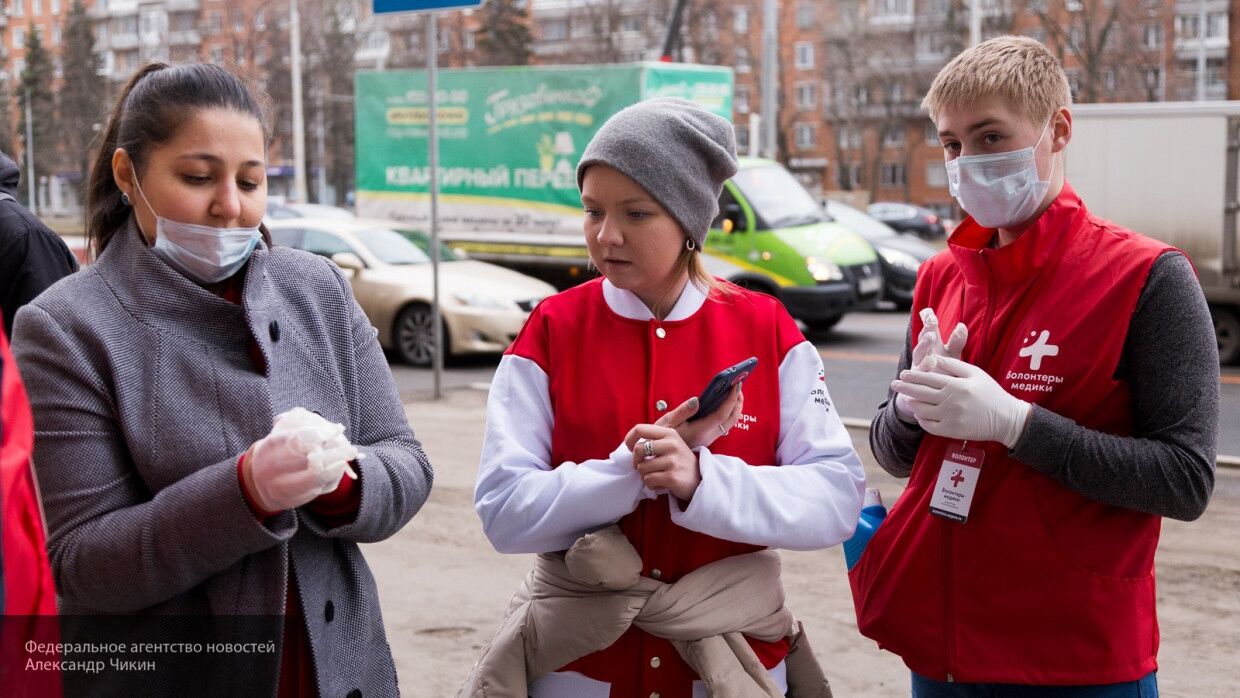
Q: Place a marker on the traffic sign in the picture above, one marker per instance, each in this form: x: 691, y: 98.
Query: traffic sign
x: 386, y: 6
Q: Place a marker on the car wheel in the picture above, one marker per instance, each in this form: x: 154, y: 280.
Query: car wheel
x: 414, y: 336
x: 1227, y: 330
x: 823, y: 324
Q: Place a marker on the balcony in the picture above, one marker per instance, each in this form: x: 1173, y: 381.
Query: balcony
x: 123, y: 42
x: 1215, y: 47
x: 183, y: 5
x: 184, y: 38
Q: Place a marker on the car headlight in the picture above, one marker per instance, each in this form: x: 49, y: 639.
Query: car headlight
x: 481, y: 301
x: 900, y: 259
x: 824, y: 270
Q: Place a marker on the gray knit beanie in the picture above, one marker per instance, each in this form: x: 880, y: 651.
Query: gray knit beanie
x: 678, y: 152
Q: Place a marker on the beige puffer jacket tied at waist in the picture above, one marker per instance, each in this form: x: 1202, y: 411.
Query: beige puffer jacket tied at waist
x: 596, y: 590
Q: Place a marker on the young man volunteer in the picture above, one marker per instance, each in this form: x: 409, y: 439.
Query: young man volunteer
x: 1073, y: 405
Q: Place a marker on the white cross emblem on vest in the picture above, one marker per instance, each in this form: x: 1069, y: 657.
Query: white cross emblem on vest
x: 1039, y: 349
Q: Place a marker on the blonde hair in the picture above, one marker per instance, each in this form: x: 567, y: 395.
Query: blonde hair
x: 1019, y: 70
x: 690, y: 262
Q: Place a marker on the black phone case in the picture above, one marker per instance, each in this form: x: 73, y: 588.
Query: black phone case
x: 717, y: 390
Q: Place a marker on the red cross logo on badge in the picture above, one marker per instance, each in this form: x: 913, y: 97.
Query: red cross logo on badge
x: 957, y: 477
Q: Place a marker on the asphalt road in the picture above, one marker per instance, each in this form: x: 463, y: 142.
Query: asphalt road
x: 860, y: 357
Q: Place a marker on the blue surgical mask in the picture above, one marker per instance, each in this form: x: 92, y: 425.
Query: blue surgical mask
x: 999, y: 190
x: 202, y: 253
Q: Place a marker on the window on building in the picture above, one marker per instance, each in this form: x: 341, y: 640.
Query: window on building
x: 742, y: 100
x: 217, y: 55
x: 932, y: 135
x: 710, y: 25
x: 238, y: 20
x: 444, y: 36
x: 861, y: 96
x: 215, y: 22
x: 1216, y: 73
x: 1188, y: 27
x: 470, y: 40
x: 631, y: 23
x: 895, y: 92
x: 848, y: 138
x: 1108, y: 80
x: 1152, y: 35
x: 892, y: 174
x: 1216, y: 25
x: 804, y: 55
x: 555, y: 30
x: 740, y: 20
x: 891, y: 8
x: 742, y: 137
x: 260, y: 20
x: 36, y: 8
x: 805, y: 15
x: 742, y: 59
x: 848, y: 175
x: 18, y: 9
x: 936, y: 175
x: 893, y: 137
x: 19, y: 37
x: 55, y: 7
x: 19, y: 66
x: 1074, y: 80
x: 806, y: 136
x: 807, y: 95
x: 1153, y: 79
x: 55, y: 35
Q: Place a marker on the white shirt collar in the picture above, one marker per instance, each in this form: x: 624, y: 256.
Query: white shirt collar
x: 626, y: 303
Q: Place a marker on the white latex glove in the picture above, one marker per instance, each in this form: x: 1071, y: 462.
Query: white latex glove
x: 930, y: 343
x: 278, y: 475
x: 328, y: 451
x: 958, y: 400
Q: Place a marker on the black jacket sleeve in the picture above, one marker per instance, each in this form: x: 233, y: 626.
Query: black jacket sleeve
x: 32, y: 257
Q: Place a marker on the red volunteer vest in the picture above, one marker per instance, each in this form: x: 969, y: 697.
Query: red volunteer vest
x: 1041, y: 585
x: 608, y: 373
x: 28, y: 593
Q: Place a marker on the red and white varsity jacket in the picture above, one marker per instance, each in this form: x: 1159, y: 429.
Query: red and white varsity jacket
x: 1041, y: 585
x: 590, y: 364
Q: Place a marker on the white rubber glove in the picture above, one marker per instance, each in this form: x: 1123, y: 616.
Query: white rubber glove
x: 930, y: 343
x: 958, y: 400
x: 328, y: 451
x: 278, y: 475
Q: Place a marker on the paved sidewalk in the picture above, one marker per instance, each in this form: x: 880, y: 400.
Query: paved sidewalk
x: 443, y: 587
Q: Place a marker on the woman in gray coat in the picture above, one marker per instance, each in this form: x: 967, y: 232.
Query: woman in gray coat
x: 154, y: 376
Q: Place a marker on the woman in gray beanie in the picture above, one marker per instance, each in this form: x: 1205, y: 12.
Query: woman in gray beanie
x: 588, y: 417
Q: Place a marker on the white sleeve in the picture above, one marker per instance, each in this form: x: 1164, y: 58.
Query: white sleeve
x: 811, y: 500
x: 526, y: 506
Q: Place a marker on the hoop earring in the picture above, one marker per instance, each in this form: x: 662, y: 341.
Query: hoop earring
x: 125, y: 199
x: 690, y: 244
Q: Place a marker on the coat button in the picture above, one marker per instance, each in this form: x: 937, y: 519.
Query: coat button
x: 660, y: 405
x: 656, y: 573
x: 329, y: 611
x: 660, y: 333
x: 274, y: 330
x: 655, y: 662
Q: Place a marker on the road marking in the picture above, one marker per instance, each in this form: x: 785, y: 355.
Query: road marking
x: 858, y: 356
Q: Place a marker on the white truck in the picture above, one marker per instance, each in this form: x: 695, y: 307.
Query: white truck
x: 1169, y: 170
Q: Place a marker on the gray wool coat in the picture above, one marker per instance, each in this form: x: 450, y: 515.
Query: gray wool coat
x: 143, y: 399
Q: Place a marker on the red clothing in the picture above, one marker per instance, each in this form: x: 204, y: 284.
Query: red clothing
x: 1041, y: 585
x: 26, y: 585
x: 607, y: 373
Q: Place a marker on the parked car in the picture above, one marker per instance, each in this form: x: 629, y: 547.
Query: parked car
x: 484, y: 306
x: 907, y: 218
x: 277, y: 211
x: 899, y: 256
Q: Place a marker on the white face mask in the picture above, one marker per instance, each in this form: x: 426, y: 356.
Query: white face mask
x: 202, y: 253
x: 999, y: 190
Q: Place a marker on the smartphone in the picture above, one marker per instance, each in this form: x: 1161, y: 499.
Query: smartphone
x: 712, y: 397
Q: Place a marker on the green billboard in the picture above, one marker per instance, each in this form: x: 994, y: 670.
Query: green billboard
x: 509, y: 138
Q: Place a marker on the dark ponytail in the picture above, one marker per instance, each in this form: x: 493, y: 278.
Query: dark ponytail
x: 155, y: 102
